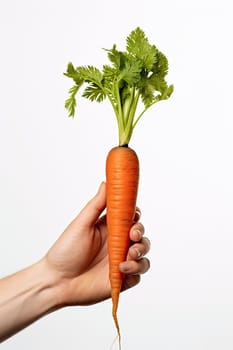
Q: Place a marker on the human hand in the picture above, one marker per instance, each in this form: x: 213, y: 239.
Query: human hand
x: 78, y: 261
x: 73, y: 272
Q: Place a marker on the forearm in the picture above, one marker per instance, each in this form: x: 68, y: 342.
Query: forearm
x: 25, y: 297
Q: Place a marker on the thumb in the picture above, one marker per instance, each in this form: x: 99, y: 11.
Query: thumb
x: 93, y: 209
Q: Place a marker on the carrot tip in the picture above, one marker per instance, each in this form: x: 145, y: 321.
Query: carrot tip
x: 118, y: 329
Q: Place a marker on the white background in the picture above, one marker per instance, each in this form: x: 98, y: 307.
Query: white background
x: 51, y: 165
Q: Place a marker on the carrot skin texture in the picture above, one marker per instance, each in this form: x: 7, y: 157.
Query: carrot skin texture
x: 122, y: 179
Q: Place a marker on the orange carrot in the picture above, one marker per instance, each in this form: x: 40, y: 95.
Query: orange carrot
x: 122, y: 177
x: 137, y: 74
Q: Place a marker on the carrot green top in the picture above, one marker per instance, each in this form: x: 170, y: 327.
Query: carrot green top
x: 137, y: 73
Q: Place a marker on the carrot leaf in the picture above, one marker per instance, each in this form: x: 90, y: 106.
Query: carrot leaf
x: 135, y: 74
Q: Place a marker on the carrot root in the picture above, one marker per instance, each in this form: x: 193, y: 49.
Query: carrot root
x: 122, y: 177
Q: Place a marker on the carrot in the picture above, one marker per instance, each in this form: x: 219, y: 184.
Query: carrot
x: 137, y: 74
x: 122, y: 175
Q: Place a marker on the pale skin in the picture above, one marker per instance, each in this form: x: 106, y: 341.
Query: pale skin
x: 73, y: 272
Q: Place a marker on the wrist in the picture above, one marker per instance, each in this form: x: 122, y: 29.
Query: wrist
x: 26, y: 296
x: 49, y: 287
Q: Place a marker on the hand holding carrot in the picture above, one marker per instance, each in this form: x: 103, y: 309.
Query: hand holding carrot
x: 136, y: 74
x: 75, y: 271
x: 79, y: 259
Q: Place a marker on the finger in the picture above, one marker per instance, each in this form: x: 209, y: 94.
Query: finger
x: 130, y: 281
x: 136, y: 232
x: 137, y: 215
x: 132, y: 267
x: 138, y: 250
x: 93, y: 209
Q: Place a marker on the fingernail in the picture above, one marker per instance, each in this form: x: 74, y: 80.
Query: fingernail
x: 139, y: 254
x: 139, y: 234
x: 100, y: 187
x: 137, y: 215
